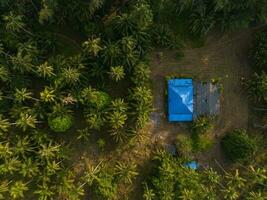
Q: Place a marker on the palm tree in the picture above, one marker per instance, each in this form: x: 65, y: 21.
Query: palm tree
x: 119, y: 135
x: 29, y: 168
x: 255, y: 196
x: 84, y: 134
x: 71, y: 75
x: 95, y: 120
x: 60, y: 110
x: 4, y: 74
x: 94, y: 5
x: 23, y: 146
x: 117, y: 119
x: 44, y: 192
x: 257, y: 176
x: 48, y: 95
x: 187, y: 194
x: 17, y: 189
x: 48, y: 151
x: 4, y: 124
x: 126, y: 172
x: 119, y: 105
x: 235, y: 180
x: 14, y: 23
x: 25, y: 121
x: 186, y: 4
x: 124, y: 24
x: 10, y: 165
x: 45, y: 70
x: 92, y: 173
x: 22, y: 95
x: 22, y: 62
x: 148, y: 193
x: 230, y: 193
x: 92, y: 46
x: 52, y: 167
x: 202, y: 21
x: 112, y: 54
x: 3, y: 188
x: 117, y: 73
x: 142, y: 94
x: 141, y: 74
x: 5, y: 150
x: 97, y: 71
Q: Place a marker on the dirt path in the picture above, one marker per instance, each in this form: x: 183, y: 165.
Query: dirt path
x: 223, y: 56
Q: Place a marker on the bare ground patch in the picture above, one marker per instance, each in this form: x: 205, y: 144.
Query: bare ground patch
x: 223, y: 56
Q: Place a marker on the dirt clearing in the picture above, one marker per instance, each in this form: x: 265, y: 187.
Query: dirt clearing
x: 224, y: 57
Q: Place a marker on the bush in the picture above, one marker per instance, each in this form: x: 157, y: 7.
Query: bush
x: 201, y: 142
x: 202, y: 125
x: 95, y: 98
x: 106, y: 188
x: 183, y: 144
x: 237, y: 145
x: 60, y: 123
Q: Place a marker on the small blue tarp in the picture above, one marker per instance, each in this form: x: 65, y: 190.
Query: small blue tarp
x: 192, y: 165
x: 180, y: 100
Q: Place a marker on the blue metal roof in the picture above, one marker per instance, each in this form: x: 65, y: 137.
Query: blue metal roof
x: 180, y: 100
x: 192, y: 165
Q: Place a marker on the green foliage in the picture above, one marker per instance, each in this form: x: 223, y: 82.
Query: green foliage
x: 126, y: 172
x: 105, y: 186
x: 17, y: 190
x: 95, y: 120
x: 169, y: 180
x: 117, y: 73
x: 46, y: 13
x: 201, y: 142
x: 237, y: 145
x: 141, y: 74
x: 184, y: 144
x: 142, y: 103
x: 60, y: 123
x: 26, y: 121
x: 257, y: 87
x: 92, y: 46
x: 14, y: 23
x: 259, y: 51
x: 95, y: 98
x: 48, y: 95
x: 45, y: 70
x: 202, y: 20
x: 202, y: 125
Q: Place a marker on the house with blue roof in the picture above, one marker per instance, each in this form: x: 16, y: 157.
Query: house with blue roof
x: 188, y: 99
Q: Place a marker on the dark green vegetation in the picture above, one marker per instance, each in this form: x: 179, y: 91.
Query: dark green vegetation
x: 238, y: 145
x: 169, y: 179
x: 76, y: 72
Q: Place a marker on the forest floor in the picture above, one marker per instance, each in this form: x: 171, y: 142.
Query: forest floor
x: 224, y: 56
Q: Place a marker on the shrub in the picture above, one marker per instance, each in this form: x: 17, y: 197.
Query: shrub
x: 60, y: 123
x: 201, y: 142
x: 95, y: 98
x: 184, y: 144
x: 106, y: 188
x: 202, y: 125
x: 237, y: 145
